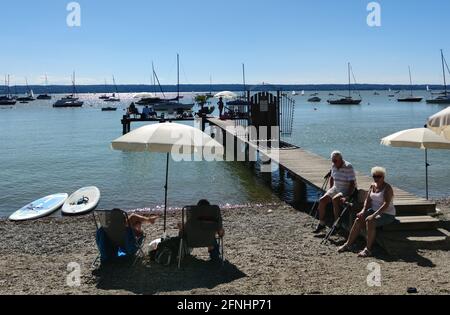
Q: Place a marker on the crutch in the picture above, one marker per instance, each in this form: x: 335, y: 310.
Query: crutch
x: 319, y: 195
x: 348, y: 206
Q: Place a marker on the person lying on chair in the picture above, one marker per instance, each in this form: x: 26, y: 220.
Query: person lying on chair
x: 136, y: 221
x: 342, y: 183
x: 378, y: 211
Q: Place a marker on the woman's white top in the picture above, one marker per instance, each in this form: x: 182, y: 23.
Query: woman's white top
x: 378, y: 201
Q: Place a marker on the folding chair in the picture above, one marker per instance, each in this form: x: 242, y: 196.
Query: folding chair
x: 200, y: 225
x: 113, y: 227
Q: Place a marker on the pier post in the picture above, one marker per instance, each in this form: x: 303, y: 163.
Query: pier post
x: 300, y: 194
x: 124, y: 125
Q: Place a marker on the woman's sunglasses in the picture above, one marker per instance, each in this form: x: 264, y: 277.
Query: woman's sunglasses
x: 377, y: 176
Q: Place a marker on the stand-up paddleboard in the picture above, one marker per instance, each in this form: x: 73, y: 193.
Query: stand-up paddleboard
x: 39, y: 208
x: 82, y: 201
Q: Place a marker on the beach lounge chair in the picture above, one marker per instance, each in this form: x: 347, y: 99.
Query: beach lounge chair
x: 115, y: 239
x: 200, y: 225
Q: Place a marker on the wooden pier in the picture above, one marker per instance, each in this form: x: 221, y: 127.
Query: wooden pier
x: 415, y: 215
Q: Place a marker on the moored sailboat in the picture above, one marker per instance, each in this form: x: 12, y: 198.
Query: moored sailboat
x: 444, y: 97
x: 411, y: 98
x: 347, y: 100
x: 71, y: 100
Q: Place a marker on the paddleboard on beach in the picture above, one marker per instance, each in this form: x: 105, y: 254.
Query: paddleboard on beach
x: 39, y: 208
x: 82, y: 201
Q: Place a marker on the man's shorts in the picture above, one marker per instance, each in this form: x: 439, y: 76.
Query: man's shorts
x: 335, y: 192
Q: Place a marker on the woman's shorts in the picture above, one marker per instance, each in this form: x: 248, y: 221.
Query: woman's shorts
x: 383, y: 219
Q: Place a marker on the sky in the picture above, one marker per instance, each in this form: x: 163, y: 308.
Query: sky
x: 280, y: 41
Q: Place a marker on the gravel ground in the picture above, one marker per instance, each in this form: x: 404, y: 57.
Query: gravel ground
x: 269, y: 250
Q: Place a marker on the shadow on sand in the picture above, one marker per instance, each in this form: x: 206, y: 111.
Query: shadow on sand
x: 150, y: 278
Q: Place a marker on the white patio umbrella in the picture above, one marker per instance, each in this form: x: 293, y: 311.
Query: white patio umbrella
x: 440, y: 123
x: 168, y: 138
x: 144, y: 95
x: 226, y: 95
x: 421, y: 138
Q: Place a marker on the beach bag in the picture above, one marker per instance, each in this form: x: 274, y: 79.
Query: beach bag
x: 166, y: 253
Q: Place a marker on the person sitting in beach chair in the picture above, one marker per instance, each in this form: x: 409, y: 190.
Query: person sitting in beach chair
x: 119, y: 235
x: 343, y: 185
x: 378, y: 211
x: 202, y: 227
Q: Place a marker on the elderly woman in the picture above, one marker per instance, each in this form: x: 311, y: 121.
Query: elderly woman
x: 378, y: 211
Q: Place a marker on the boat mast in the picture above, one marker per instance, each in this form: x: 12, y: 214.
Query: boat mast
x: 178, y: 77
x: 243, y: 77
x: 74, y: 89
x: 443, y: 72
x: 349, y: 82
x: 410, y: 80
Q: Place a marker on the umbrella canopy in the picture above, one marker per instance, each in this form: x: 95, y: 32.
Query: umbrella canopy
x: 440, y: 123
x: 226, y: 95
x: 168, y: 138
x: 421, y: 138
x: 144, y: 95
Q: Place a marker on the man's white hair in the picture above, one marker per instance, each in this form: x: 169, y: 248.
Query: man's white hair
x: 379, y: 170
x: 336, y: 154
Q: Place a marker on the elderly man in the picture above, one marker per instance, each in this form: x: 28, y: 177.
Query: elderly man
x: 342, y: 183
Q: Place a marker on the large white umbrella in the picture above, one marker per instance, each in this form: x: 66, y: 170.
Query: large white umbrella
x: 421, y: 138
x: 440, y: 123
x: 144, y: 95
x: 169, y: 138
x: 226, y: 95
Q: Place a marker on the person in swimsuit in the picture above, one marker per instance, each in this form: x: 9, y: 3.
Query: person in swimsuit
x: 136, y: 221
x: 378, y: 211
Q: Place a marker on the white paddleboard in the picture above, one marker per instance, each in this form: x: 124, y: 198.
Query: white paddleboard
x: 39, y: 208
x: 82, y: 201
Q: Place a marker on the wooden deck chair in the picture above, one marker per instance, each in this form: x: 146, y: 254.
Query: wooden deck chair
x: 116, y: 227
x: 200, y: 225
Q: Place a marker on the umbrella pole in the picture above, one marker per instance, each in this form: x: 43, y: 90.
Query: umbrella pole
x: 427, y: 165
x: 165, y: 196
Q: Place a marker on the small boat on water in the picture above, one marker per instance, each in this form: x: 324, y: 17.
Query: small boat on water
x: 444, y: 97
x: 109, y: 109
x: 315, y: 99
x: 30, y: 95
x: 115, y: 96
x: 70, y: 101
x: 7, y: 99
x: 346, y: 100
x: 45, y: 96
x: 410, y: 98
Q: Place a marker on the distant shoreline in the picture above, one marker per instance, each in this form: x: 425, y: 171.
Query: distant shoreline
x: 137, y: 88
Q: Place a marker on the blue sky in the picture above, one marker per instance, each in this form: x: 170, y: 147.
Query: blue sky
x: 282, y: 41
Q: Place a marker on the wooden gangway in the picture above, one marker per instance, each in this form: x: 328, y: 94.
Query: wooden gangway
x: 413, y: 212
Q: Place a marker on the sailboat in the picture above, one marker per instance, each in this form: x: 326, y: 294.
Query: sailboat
x: 30, y: 95
x: 45, y: 96
x: 411, y: 98
x: 349, y: 99
x: 104, y: 96
x: 174, y: 104
x: 115, y: 96
x: 7, y: 99
x: 70, y: 100
x: 443, y: 98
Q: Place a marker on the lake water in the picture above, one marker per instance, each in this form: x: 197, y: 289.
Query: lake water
x: 45, y: 151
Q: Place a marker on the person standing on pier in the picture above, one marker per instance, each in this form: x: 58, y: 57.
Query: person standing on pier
x: 221, y: 106
x: 342, y: 183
